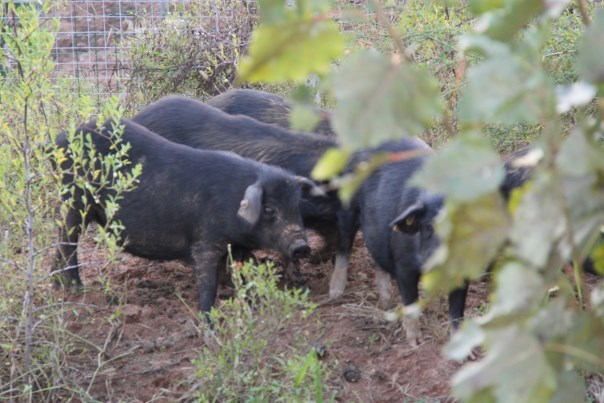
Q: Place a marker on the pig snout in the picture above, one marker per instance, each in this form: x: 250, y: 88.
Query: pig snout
x: 299, y: 249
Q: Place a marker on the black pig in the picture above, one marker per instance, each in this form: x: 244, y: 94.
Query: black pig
x: 382, y: 203
x: 397, y: 224
x: 188, y: 121
x: 265, y: 107
x: 189, y: 204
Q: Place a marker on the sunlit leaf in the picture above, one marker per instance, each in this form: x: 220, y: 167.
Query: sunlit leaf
x: 382, y: 98
x: 331, y: 163
x: 292, y: 51
x: 463, y: 170
x: 598, y: 256
x: 478, y: 7
x: 590, y: 61
x: 514, y: 369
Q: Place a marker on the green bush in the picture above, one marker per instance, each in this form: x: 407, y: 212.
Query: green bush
x: 35, y: 108
x: 261, y: 346
x: 188, y: 52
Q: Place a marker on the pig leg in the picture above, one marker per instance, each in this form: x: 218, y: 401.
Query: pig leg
x: 347, y: 228
x: 384, y: 286
x: 457, y: 303
x: 407, y: 279
x: 205, y: 270
x: 66, y: 260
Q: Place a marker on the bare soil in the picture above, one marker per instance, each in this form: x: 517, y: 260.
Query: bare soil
x: 147, y: 352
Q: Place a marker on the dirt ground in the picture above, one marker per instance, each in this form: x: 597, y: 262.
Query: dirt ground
x: 148, y: 353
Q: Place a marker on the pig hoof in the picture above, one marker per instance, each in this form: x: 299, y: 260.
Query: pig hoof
x: 335, y: 292
x: 382, y: 281
x: 413, y: 330
x: 337, y: 285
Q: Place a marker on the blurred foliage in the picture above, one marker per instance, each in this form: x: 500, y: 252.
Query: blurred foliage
x: 302, y: 32
x: 510, y: 70
x: 242, y: 360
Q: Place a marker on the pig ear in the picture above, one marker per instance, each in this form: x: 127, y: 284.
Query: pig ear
x: 408, y: 222
x: 310, y: 187
x: 251, y: 205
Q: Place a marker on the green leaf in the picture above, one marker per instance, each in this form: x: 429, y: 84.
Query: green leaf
x: 597, y: 300
x: 514, y: 369
x: 316, y: 6
x: 518, y: 289
x: 504, y: 24
x: 508, y: 89
x: 349, y: 184
x: 463, y: 170
x: 590, y: 61
x: 580, y: 155
x: 472, y: 234
x: 541, y: 324
x: 382, y: 98
x: 598, y: 256
x: 571, y: 388
x: 581, y: 163
x: 478, y: 7
x: 483, y: 45
x: 292, y: 50
x: 582, y: 346
x: 331, y: 163
x: 464, y: 341
x: 272, y: 12
x: 303, y: 118
x: 539, y: 220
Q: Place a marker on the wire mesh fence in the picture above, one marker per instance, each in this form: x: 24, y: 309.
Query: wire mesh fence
x: 96, y: 38
x: 90, y: 49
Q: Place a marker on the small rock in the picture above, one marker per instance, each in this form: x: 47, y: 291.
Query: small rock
x: 132, y: 313
x: 147, y: 346
x: 351, y: 373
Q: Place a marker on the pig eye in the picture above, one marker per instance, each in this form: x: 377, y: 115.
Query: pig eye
x: 268, y: 210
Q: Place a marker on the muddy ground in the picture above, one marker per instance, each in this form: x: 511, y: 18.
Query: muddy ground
x: 147, y: 353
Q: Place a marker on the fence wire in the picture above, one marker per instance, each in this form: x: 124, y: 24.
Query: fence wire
x: 89, y: 51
